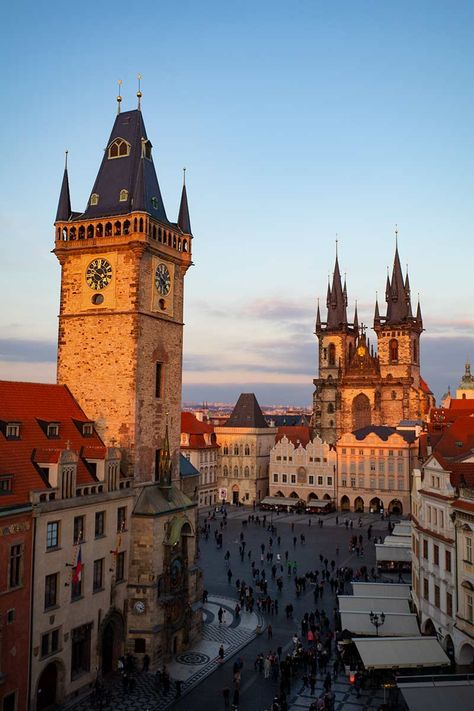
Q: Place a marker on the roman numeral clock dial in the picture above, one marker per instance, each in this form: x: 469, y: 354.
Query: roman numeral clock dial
x: 98, y: 274
x: 162, y: 279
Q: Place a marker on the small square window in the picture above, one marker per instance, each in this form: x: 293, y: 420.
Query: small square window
x: 52, y: 430
x: 13, y: 430
x: 10, y: 616
x: 87, y: 429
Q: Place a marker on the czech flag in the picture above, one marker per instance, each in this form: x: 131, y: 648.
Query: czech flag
x: 77, y: 576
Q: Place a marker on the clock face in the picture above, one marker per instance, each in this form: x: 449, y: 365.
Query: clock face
x: 98, y: 274
x: 361, y: 351
x: 163, y: 279
x: 139, y: 607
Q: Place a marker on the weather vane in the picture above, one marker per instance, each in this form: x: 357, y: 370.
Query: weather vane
x: 139, y: 93
x: 119, y: 97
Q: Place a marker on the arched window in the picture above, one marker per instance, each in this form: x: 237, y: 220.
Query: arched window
x: 72, y: 233
x: 123, y: 195
x: 332, y: 354
x: 330, y: 408
x: 236, y: 472
x: 159, y: 234
x: 185, y: 245
x: 246, y: 472
x: 226, y: 471
x: 81, y: 233
x: 174, y: 241
x: 118, y: 229
x: 415, y: 351
x: 236, y: 450
x: 361, y: 412
x: 247, y: 450
x: 126, y: 227
x: 135, y: 224
x: 99, y: 230
x: 225, y: 450
x: 94, y: 199
x: 393, y: 350
x: 153, y: 232
x: 140, y: 229
x: 119, y: 148
x: 90, y: 231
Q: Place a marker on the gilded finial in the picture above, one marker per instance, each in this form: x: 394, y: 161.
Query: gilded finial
x: 184, y: 177
x: 65, y: 158
x: 139, y: 93
x: 337, y: 242
x: 396, y: 236
x: 119, y: 96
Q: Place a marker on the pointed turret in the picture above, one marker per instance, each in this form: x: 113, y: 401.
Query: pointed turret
x: 337, y: 314
x: 318, y: 319
x: 127, y: 181
x: 184, y: 223
x: 419, y: 317
x: 377, y: 312
x: 356, y: 319
x: 64, y: 205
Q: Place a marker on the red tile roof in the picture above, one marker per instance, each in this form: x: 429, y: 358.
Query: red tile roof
x: 297, y: 435
x: 425, y: 387
x: 197, y: 430
x: 32, y: 405
x: 457, y: 439
x: 461, y: 404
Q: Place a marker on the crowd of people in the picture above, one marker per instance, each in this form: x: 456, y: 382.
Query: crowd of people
x: 315, y: 653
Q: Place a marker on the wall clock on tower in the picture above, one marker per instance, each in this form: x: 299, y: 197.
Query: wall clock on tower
x: 99, y: 274
x: 162, y: 279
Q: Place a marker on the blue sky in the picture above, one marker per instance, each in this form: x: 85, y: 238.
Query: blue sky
x: 296, y: 121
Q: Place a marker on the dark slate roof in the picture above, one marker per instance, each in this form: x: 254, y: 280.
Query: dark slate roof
x: 287, y: 420
x: 336, y: 302
x: 186, y: 468
x: 135, y: 173
x: 184, y: 222
x: 246, y: 413
x: 384, y: 433
x: 64, y: 205
x: 153, y: 502
x: 398, y: 295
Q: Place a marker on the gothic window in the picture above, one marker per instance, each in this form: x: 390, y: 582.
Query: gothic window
x: 236, y: 450
x: 108, y: 229
x: 119, y: 148
x: 246, y: 472
x: 393, y: 349
x: 226, y: 450
x: 94, y: 199
x: 330, y: 408
x: 226, y: 471
x: 236, y: 472
x: 332, y: 354
x: 361, y: 412
x: 415, y: 351
x: 123, y: 195
x: 247, y: 450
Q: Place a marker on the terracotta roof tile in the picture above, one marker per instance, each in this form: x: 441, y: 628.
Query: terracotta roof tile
x: 296, y: 434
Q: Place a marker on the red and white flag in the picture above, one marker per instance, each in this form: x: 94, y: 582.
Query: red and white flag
x: 77, y: 574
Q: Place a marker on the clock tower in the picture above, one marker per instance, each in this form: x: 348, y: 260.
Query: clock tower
x: 123, y: 264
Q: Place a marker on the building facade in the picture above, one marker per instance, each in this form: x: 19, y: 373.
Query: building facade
x: 374, y: 469
x: 303, y: 469
x: 358, y: 386
x: 199, y: 446
x: 463, y: 515
x: 245, y: 442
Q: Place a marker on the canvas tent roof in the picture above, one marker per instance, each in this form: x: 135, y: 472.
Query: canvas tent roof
x: 280, y: 501
x: 382, y: 589
x: 398, y: 541
x: 402, y: 529
x: 392, y: 553
x: 396, y: 623
x: 437, y: 692
x: 318, y: 503
x: 401, y: 652
x: 356, y: 603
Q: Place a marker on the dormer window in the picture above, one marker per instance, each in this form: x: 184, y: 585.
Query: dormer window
x: 6, y: 482
x: 52, y: 430
x: 119, y: 148
x: 123, y: 195
x: 154, y: 202
x: 146, y: 148
x: 94, y: 199
x: 87, y: 429
x: 12, y: 430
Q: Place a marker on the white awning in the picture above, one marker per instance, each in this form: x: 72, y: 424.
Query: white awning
x: 398, y: 541
x: 396, y: 623
x: 280, y: 501
x: 402, y: 529
x: 437, y: 692
x: 355, y: 603
x: 401, y: 653
x: 382, y: 589
x: 318, y: 503
x: 399, y: 554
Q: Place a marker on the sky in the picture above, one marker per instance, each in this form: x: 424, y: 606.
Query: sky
x: 297, y: 122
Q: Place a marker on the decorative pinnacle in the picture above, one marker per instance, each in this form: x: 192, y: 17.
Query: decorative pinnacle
x: 65, y: 159
x: 337, y: 243
x: 184, y: 177
x: 396, y: 236
x: 119, y: 97
x: 139, y: 93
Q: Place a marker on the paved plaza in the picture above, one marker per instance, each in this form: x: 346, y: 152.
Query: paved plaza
x: 203, y: 677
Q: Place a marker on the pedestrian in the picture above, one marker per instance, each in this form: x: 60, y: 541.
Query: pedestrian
x: 229, y: 575
x: 221, y: 654
x: 146, y: 663
x: 269, y: 631
x: 220, y: 614
x: 226, y: 696
x: 235, y: 700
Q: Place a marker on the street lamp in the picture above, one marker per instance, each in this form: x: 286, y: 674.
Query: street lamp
x: 377, y: 620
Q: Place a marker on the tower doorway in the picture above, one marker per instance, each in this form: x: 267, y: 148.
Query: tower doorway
x: 112, y: 643
x: 361, y: 412
x: 235, y: 494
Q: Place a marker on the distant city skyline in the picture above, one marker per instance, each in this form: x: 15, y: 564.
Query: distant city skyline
x: 295, y: 122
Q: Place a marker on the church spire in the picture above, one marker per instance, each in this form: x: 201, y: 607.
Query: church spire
x: 64, y: 205
x: 318, y: 319
x: 356, y: 319
x: 184, y: 222
x: 377, y: 312
x: 397, y: 294
x: 337, y: 313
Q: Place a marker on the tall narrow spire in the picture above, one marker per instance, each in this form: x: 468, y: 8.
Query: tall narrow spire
x: 184, y: 222
x: 419, y: 317
x: 139, y: 92
x: 397, y: 294
x: 337, y: 313
x: 377, y: 312
x: 318, y: 319
x: 356, y: 319
x: 63, y: 212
